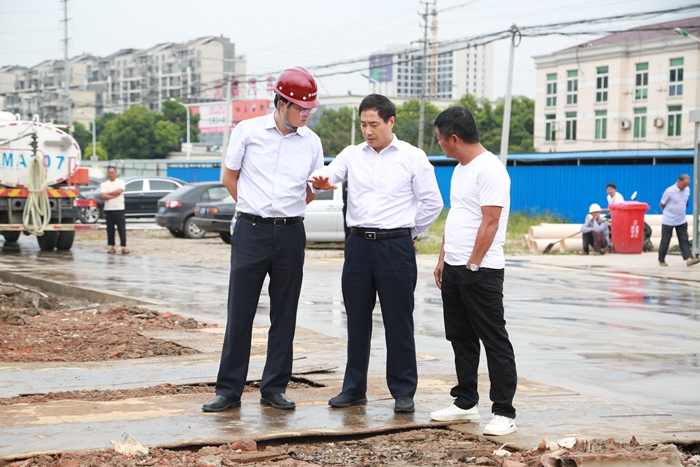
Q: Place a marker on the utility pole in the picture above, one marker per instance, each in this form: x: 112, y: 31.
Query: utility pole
x: 66, y: 70
x: 505, y: 132
x: 227, y: 124
x: 424, y: 77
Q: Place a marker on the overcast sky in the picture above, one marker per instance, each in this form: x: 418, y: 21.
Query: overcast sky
x: 275, y: 34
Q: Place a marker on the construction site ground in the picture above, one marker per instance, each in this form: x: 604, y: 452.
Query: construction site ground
x: 101, y: 346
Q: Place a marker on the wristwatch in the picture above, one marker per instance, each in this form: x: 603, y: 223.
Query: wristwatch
x: 472, y: 267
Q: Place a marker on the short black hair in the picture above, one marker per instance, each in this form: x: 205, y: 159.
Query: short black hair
x: 611, y: 185
x: 279, y: 98
x: 384, y: 107
x: 111, y: 167
x: 457, y: 121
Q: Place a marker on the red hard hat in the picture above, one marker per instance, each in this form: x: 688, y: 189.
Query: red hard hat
x: 297, y: 85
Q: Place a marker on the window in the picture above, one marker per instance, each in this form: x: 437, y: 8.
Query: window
x: 551, y: 90
x: 571, y: 126
x: 163, y: 185
x: 550, y: 128
x: 601, y: 85
x: 136, y: 185
x: 324, y: 195
x: 674, y: 120
x: 572, y: 87
x: 641, y: 81
x: 640, y: 123
x: 675, y: 79
x: 216, y: 193
x: 601, y: 124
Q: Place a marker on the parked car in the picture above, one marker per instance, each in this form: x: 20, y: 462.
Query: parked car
x: 176, y: 210
x: 215, y: 216
x: 141, y: 195
x: 324, y: 221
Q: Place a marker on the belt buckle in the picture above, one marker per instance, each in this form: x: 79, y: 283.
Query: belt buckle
x: 278, y: 222
x: 370, y: 235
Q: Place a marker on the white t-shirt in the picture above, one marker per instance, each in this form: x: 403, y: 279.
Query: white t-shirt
x: 482, y: 182
x: 114, y: 204
x: 615, y: 199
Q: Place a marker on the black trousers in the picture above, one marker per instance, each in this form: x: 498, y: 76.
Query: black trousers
x: 256, y: 251
x: 595, y: 240
x: 683, y: 242
x: 116, y: 218
x: 386, y: 267
x: 473, y: 310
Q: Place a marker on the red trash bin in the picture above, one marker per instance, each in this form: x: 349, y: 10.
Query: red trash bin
x: 628, y: 226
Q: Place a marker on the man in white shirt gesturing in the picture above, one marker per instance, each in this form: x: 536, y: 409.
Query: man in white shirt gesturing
x: 470, y: 273
x: 393, y: 195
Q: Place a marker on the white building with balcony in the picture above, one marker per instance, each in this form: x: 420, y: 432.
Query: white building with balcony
x: 629, y: 90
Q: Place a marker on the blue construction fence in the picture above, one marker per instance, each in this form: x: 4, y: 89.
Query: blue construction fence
x: 561, y: 183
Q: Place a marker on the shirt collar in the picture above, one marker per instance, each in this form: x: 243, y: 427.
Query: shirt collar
x: 271, y: 123
x: 394, y: 143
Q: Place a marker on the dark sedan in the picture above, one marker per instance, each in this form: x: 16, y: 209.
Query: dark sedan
x: 216, y: 217
x: 141, y: 195
x: 176, y: 210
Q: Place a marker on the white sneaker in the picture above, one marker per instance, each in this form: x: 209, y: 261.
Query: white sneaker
x: 455, y: 413
x: 500, y: 425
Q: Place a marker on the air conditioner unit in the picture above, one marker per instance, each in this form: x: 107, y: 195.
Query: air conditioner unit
x: 625, y: 124
x: 659, y: 122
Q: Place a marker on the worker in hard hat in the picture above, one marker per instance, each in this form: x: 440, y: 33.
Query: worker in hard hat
x: 268, y: 161
x: 596, y: 232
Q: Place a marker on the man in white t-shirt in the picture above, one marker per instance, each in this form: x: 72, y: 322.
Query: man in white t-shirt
x: 613, y: 196
x: 112, y: 191
x: 470, y: 273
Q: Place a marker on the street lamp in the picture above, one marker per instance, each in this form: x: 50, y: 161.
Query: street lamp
x: 189, y: 148
x: 374, y: 81
x: 94, y: 131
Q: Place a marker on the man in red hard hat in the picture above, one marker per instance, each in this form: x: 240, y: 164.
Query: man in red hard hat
x: 267, y: 164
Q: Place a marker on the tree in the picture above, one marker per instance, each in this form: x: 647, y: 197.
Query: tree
x: 177, y: 114
x: 406, y: 127
x: 334, y: 129
x: 489, y: 122
x: 81, y: 135
x: 167, y: 138
x: 101, y: 152
x: 130, y: 135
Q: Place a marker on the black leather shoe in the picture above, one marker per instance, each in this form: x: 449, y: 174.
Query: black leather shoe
x: 404, y: 404
x: 346, y: 400
x: 278, y: 401
x: 220, y: 403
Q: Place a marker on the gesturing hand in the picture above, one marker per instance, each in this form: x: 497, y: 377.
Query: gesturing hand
x: 321, y: 183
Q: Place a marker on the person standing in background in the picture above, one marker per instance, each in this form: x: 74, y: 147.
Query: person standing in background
x: 112, y: 191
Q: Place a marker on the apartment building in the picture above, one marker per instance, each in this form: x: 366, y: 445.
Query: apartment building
x: 454, y: 69
x: 629, y: 90
x: 191, y: 71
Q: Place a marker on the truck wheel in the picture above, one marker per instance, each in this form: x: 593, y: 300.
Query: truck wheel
x: 11, y: 237
x: 65, y: 240
x: 48, y: 241
x: 192, y: 230
x: 225, y: 237
x: 176, y: 233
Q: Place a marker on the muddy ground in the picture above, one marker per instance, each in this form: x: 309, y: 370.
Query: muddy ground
x: 37, y: 327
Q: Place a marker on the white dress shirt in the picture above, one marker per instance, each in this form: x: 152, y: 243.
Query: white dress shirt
x: 274, y: 167
x: 395, y: 188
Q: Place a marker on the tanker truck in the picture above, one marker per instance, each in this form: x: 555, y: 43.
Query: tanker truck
x: 39, y: 174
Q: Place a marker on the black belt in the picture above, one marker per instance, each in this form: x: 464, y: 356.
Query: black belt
x: 379, y: 234
x: 276, y: 221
